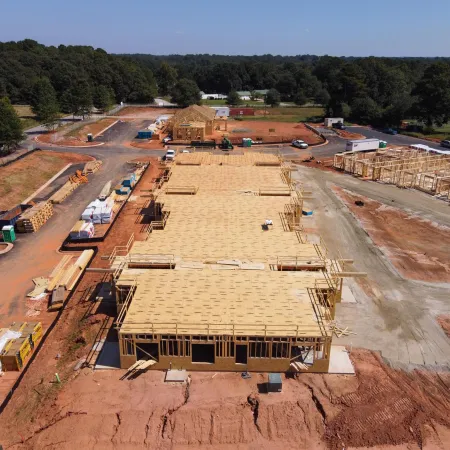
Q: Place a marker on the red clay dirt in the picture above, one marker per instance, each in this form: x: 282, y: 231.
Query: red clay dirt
x: 349, y: 135
x: 444, y: 322
x: 413, y: 245
x: 95, y: 409
x: 24, y: 176
x: 284, y: 131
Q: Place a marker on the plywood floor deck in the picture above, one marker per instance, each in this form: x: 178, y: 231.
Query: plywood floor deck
x: 225, y: 225
x: 200, y: 302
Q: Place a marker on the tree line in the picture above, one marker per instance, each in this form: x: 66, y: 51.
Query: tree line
x: 371, y: 90
x: 77, y: 76
x: 73, y: 79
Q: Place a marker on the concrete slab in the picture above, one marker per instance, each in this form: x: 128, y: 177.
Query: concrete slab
x: 177, y: 376
x: 109, y: 357
x: 347, y: 295
x: 340, y: 361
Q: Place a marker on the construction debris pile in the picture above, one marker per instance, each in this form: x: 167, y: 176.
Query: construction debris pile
x: 406, y: 167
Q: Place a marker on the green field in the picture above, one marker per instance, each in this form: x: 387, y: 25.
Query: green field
x: 249, y: 103
x: 289, y: 114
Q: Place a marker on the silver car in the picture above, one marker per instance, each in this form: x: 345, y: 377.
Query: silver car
x: 299, y: 144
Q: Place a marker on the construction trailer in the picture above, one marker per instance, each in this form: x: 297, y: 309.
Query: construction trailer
x: 231, y: 292
x: 362, y: 145
x: 329, y: 121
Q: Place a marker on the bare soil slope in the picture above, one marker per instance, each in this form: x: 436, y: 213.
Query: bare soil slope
x: 416, y: 247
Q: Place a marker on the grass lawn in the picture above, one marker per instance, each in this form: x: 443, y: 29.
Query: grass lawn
x: 223, y: 102
x: 26, y: 115
x: 21, y: 178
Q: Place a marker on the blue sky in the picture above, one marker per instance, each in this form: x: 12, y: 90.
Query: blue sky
x: 286, y: 27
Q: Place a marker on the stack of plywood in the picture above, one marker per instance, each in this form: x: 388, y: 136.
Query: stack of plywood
x: 91, y: 167
x: 33, y: 219
x: 67, y: 273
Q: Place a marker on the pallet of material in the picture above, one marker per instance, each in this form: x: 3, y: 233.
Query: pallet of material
x: 61, y: 194
x: 92, y: 167
x: 57, y: 298
x: 33, y: 219
x: 15, y: 354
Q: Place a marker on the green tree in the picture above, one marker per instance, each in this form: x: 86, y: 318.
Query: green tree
x: 103, y: 98
x: 77, y: 100
x: 272, y: 98
x: 365, y: 110
x: 233, y: 98
x: 186, y: 93
x: 11, y: 129
x: 433, y: 92
x: 44, y: 102
x: 322, y: 97
x: 166, y: 77
x: 300, y: 98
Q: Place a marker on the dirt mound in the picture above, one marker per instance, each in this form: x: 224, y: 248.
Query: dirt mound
x: 379, y: 406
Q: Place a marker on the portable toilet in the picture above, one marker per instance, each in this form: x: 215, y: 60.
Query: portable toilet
x: 90, y: 137
x: 8, y: 234
x: 246, y: 142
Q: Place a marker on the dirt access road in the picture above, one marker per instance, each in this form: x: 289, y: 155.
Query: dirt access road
x: 36, y: 254
x: 392, y: 314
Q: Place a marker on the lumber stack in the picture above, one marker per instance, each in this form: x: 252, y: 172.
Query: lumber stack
x: 67, y: 273
x: 61, y: 194
x: 33, y: 219
x: 91, y: 167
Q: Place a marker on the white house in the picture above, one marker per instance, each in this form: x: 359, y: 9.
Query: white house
x: 213, y: 96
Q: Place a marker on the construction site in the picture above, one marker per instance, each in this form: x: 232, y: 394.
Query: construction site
x: 229, y: 299
x: 234, y: 285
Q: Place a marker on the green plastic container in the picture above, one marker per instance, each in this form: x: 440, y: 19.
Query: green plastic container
x: 8, y: 234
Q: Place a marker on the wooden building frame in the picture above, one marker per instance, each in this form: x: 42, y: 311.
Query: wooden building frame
x: 201, y: 311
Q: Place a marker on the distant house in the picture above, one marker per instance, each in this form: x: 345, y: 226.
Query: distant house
x: 212, y: 96
x: 246, y: 95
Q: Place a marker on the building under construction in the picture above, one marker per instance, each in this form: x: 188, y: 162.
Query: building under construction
x: 406, y: 167
x: 226, y: 279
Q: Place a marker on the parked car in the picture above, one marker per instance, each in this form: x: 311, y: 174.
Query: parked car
x: 445, y: 144
x: 338, y: 125
x: 390, y: 131
x: 167, y: 139
x: 299, y: 144
x: 170, y: 155
x: 185, y: 151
